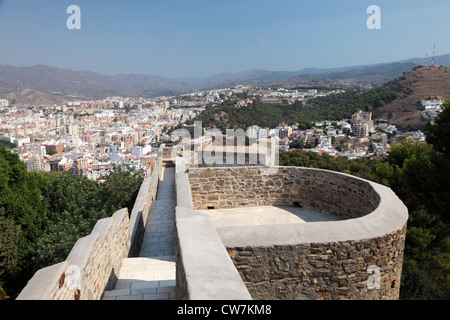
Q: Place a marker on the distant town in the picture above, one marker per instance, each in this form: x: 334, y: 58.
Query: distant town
x: 91, y: 137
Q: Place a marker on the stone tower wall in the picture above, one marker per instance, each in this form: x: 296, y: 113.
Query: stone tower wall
x: 357, y: 257
x: 336, y: 194
x: 324, y: 271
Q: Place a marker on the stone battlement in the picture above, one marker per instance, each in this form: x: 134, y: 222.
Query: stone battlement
x: 317, y: 260
x: 95, y: 260
x: 356, y: 254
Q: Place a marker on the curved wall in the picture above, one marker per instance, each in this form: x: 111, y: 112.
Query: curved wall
x: 342, y: 196
x: 358, y: 257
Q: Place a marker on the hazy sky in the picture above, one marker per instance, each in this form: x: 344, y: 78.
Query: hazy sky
x: 190, y: 38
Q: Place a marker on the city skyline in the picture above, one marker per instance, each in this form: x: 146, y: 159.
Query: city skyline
x: 203, y: 38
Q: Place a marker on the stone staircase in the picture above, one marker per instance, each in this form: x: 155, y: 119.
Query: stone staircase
x: 151, y: 276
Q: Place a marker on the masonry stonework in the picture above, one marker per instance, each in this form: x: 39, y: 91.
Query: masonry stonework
x: 338, y: 195
x: 95, y: 260
x: 90, y: 266
x: 357, y: 257
x: 315, y: 260
x: 332, y: 271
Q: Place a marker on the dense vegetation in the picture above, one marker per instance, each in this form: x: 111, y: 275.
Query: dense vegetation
x: 7, y: 144
x: 419, y: 174
x: 43, y: 215
x: 335, y: 106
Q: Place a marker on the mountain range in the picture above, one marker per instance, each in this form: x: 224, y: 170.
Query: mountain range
x: 49, y: 85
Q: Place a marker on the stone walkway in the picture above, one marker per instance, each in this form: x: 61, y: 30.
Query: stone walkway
x: 152, y: 275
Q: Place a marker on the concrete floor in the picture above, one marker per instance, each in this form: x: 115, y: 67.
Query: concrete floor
x: 252, y: 216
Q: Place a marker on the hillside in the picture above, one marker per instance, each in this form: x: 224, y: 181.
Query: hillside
x: 375, y: 76
x: 48, y: 85
x: 360, y: 75
x: 414, y: 86
x: 397, y: 100
x: 332, y: 107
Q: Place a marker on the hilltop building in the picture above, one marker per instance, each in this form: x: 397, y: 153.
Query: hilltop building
x: 4, y: 103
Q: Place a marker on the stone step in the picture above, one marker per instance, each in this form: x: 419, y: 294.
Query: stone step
x: 145, y: 279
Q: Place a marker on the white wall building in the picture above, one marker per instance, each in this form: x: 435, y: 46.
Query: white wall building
x: 4, y: 103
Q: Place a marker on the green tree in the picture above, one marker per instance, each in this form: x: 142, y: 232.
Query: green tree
x: 20, y: 196
x: 120, y: 189
x: 43, y: 215
x: 76, y: 205
x: 438, y: 134
x: 74, y: 208
x: 9, y: 239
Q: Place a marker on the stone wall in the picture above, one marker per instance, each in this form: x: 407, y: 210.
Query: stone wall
x: 324, y: 271
x: 90, y: 267
x: 94, y: 261
x: 358, y: 257
x: 205, y: 270
x: 336, y: 194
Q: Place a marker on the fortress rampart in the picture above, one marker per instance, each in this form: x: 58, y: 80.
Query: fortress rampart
x: 358, y: 254
x: 205, y: 270
x: 339, y: 195
x: 94, y: 261
x: 314, y: 260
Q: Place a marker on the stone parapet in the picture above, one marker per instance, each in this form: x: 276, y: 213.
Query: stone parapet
x: 330, y: 192
x: 204, y: 271
x: 90, y: 267
x: 357, y: 257
x: 141, y: 208
x: 95, y: 260
x: 368, y: 269
x: 204, y: 268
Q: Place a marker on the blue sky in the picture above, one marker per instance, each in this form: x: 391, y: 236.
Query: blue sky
x: 193, y: 38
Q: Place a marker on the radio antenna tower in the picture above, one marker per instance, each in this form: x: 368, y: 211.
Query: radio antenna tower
x: 434, y: 54
x: 426, y: 60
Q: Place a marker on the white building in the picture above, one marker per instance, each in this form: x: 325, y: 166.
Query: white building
x: 432, y: 104
x: 419, y: 136
x: 325, y: 142
x: 141, y: 151
x: 35, y: 164
x: 4, y: 103
x: 252, y: 132
x: 18, y: 141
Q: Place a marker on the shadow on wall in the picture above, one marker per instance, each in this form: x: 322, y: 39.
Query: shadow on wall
x: 338, y: 195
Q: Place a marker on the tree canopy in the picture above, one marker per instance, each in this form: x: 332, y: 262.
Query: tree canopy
x: 42, y: 215
x: 334, y: 106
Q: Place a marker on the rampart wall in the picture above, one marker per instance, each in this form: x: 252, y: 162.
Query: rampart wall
x: 92, y: 264
x: 205, y: 270
x: 339, y: 195
x: 358, y: 257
